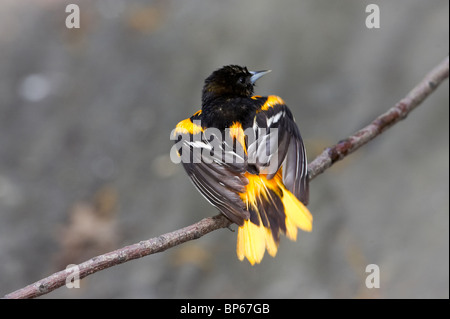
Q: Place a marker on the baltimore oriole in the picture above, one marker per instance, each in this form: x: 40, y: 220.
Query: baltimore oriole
x: 245, y: 155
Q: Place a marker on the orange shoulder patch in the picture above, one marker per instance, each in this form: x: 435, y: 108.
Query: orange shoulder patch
x: 271, y: 101
x: 188, y: 127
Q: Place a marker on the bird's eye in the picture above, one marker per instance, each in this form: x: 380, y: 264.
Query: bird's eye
x: 241, y: 80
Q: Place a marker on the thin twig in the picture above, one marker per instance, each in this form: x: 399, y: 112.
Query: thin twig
x: 396, y: 113
x: 327, y: 158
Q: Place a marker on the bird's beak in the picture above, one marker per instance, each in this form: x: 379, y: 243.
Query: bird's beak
x: 257, y: 74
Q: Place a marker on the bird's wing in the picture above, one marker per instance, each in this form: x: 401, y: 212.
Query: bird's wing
x: 278, y: 144
x: 206, y: 158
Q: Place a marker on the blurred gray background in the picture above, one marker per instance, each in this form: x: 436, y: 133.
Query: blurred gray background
x: 85, y: 119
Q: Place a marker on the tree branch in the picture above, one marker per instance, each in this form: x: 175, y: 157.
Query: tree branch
x: 396, y: 113
x: 327, y: 158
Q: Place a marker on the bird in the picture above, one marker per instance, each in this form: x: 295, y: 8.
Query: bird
x: 245, y: 155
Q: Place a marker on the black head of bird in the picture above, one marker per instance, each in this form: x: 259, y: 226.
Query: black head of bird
x: 229, y: 82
